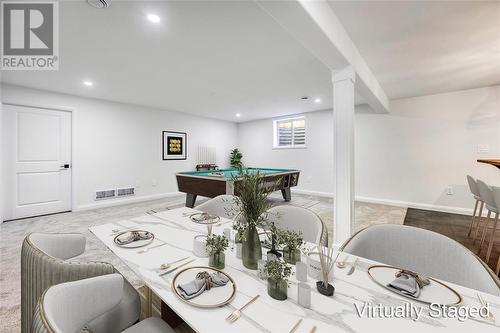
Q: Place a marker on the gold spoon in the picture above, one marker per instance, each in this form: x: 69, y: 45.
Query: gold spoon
x: 341, y: 264
x: 166, y: 266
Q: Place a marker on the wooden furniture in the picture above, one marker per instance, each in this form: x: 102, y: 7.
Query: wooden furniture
x: 492, y: 162
x: 216, y: 182
x: 328, y: 314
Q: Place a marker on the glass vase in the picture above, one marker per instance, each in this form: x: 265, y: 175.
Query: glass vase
x: 291, y: 256
x: 217, y: 260
x: 251, y: 250
x: 277, y: 289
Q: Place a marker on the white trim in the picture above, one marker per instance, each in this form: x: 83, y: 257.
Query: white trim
x: 124, y: 201
x: 397, y: 203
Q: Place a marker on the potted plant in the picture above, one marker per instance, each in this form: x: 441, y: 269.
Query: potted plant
x: 235, y: 159
x: 251, y: 205
x: 291, y: 242
x: 278, y: 273
x: 216, y: 245
x: 326, y: 262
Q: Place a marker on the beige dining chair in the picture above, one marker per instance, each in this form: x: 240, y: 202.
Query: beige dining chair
x: 68, y: 307
x: 44, y: 263
x: 301, y: 220
x: 425, y: 252
x: 476, y: 215
x: 224, y: 205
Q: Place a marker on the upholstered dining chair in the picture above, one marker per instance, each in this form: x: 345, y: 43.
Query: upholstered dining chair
x: 44, y: 263
x: 301, y: 220
x: 222, y: 205
x: 68, y: 307
x: 488, y: 196
x: 425, y: 252
x: 479, y: 204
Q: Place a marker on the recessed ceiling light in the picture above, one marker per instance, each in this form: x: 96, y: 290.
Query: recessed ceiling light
x: 238, y: 115
x: 88, y: 83
x: 317, y: 100
x: 153, y: 18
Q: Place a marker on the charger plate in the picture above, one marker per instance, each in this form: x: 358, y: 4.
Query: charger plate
x: 213, y: 298
x: 137, y: 243
x: 435, y: 292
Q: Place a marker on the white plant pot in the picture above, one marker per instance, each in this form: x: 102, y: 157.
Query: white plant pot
x: 200, y: 246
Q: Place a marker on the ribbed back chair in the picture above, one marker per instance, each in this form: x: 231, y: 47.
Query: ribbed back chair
x: 488, y: 196
x: 222, y: 205
x: 479, y: 203
x: 425, y: 252
x: 300, y: 220
x: 43, y: 264
x: 67, y: 307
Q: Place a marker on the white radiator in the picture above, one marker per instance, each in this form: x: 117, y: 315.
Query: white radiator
x: 207, y: 155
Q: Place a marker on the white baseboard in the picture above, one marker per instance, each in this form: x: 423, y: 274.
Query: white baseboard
x: 405, y: 204
x: 124, y: 201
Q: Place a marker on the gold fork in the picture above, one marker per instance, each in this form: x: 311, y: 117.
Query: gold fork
x: 236, y: 314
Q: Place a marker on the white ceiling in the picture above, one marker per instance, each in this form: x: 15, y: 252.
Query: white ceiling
x: 208, y: 58
x: 417, y: 48
x: 217, y: 59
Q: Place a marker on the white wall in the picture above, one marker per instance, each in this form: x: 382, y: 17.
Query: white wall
x: 406, y: 157
x: 119, y: 145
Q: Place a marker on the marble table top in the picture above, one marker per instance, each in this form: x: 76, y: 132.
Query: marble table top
x: 328, y: 314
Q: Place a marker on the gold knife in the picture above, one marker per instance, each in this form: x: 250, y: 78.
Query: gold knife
x: 294, y: 328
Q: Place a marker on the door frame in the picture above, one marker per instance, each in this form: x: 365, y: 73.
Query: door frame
x: 73, y: 111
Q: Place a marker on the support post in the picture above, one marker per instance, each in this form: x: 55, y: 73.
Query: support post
x: 343, y: 129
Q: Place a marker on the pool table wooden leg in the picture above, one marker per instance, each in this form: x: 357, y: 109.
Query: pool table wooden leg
x: 190, y: 200
x: 287, y: 195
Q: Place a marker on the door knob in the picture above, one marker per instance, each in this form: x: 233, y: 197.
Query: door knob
x: 64, y: 166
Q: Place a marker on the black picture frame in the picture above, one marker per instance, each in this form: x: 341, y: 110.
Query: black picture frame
x: 171, y: 141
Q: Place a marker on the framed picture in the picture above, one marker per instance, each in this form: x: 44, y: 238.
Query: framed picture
x: 174, y: 145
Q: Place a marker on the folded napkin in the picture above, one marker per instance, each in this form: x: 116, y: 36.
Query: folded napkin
x: 202, y: 217
x: 133, y: 236
x: 204, y: 281
x: 408, y: 283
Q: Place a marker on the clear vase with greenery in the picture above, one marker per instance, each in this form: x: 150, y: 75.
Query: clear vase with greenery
x: 291, y: 242
x: 235, y: 159
x: 252, y: 205
x: 278, y: 273
x: 216, y: 245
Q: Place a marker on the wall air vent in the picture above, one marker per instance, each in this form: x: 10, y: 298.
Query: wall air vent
x: 105, y: 194
x: 122, y: 192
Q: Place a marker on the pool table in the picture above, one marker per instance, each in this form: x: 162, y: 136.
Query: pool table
x: 211, y: 183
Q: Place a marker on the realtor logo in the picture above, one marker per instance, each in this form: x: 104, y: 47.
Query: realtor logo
x: 30, y: 35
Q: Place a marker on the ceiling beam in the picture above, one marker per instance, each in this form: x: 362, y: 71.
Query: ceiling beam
x: 315, y: 25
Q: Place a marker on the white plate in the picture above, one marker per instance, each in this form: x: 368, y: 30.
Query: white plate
x: 137, y: 243
x: 435, y: 292
x: 213, y: 298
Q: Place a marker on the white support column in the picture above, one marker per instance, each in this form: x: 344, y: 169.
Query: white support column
x: 343, y: 129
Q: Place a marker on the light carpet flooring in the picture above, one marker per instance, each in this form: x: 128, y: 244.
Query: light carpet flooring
x: 12, y: 234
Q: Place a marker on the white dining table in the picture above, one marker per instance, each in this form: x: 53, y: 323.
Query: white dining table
x: 338, y: 313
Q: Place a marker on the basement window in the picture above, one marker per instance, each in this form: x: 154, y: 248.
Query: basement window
x: 289, y: 133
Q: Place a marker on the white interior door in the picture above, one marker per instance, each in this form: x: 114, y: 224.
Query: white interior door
x: 37, y: 168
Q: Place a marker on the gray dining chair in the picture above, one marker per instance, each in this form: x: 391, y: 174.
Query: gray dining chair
x: 425, y: 252
x: 488, y: 196
x: 224, y: 205
x: 301, y: 220
x: 44, y: 263
x: 68, y: 307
